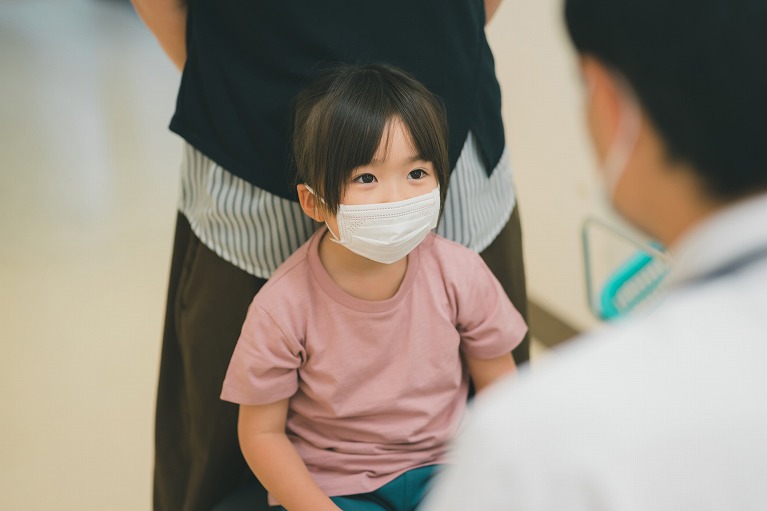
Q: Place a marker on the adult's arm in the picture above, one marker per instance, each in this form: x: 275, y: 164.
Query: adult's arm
x: 274, y: 460
x: 490, y: 7
x: 167, y: 21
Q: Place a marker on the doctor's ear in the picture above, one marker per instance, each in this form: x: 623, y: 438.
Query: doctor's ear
x: 603, y: 101
x: 310, y: 204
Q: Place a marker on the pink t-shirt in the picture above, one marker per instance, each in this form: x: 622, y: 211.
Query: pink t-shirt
x: 376, y: 388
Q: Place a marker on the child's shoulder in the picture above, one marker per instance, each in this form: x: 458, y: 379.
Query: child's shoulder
x: 290, y: 278
x: 446, y: 250
x: 453, y: 262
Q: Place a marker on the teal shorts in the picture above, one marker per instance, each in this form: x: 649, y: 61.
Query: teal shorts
x: 404, y: 493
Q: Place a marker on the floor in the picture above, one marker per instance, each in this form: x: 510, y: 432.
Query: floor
x: 88, y: 187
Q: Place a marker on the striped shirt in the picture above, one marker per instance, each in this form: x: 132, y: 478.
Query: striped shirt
x: 256, y: 230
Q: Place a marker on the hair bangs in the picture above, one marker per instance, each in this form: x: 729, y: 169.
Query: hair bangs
x: 344, y: 119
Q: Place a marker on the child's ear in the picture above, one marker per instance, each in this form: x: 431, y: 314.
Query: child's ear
x: 310, y: 204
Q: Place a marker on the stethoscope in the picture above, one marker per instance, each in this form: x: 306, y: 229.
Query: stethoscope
x: 654, y: 252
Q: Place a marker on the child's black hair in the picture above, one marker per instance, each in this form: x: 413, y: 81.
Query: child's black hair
x: 343, y: 116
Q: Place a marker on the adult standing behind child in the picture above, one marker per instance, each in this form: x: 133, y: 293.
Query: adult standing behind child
x: 352, y: 368
x: 239, y: 217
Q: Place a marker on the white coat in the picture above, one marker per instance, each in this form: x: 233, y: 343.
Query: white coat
x: 667, y: 411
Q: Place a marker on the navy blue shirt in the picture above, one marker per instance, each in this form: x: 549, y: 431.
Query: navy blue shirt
x: 247, y: 59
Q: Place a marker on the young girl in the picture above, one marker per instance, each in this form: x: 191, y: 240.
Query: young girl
x: 353, y: 364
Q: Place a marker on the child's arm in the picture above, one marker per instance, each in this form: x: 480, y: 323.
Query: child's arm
x: 485, y: 372
x: 274, y: 460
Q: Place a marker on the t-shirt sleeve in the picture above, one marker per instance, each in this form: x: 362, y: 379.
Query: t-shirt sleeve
x: 487, y: 321
x: 265, y: 362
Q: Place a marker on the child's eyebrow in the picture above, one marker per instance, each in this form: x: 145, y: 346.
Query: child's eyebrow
x: 412, y: 159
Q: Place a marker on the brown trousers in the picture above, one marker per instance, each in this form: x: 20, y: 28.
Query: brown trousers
x: 197, y: 456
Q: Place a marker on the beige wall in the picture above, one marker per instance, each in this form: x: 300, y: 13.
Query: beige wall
x: 551, y: 157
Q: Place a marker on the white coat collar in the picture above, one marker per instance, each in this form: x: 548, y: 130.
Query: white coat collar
x: 720, y: 239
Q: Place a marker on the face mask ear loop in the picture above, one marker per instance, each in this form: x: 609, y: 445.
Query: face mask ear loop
x: 625, y: 141
x: 335, y: 238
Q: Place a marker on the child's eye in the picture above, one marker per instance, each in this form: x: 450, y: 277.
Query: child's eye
x: 417, y: 174
x: 364, y: 178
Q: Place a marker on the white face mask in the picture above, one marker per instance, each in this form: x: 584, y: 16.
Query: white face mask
x: 389, y: 231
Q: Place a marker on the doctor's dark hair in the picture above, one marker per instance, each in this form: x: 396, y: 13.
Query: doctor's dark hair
x: 699, y: 70
x: 344, y: 115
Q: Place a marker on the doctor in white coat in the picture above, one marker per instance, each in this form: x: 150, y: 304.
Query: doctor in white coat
x: 667, y: 411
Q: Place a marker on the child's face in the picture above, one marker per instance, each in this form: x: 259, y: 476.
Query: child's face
x: 393, y: 175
